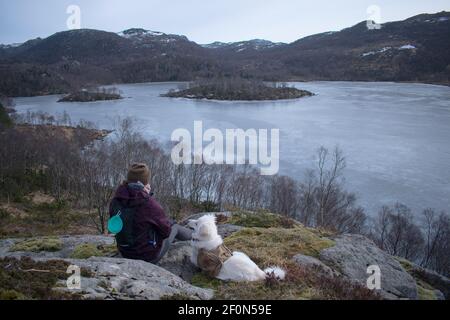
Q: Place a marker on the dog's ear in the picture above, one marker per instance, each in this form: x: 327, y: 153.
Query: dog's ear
x: 191, y: 223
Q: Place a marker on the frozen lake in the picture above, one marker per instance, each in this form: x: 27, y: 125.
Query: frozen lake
x: 395, y: 137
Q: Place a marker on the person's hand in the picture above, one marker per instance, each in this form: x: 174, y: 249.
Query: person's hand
x: 147, y: 188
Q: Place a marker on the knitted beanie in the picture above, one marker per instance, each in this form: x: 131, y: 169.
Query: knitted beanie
x: 139, y: 172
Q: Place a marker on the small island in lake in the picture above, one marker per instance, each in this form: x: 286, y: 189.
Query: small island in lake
x: 238, y: 89
x: 92, y: 95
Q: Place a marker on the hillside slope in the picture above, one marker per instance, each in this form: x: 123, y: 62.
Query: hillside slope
x: 416, y: 49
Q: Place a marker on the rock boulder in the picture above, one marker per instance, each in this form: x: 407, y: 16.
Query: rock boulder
x: 351, y: 256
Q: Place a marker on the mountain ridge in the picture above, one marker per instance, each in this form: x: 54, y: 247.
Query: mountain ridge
x: 413, y: 50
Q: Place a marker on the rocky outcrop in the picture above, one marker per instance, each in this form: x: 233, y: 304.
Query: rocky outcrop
x: 351, y: 256
x: 119, y: 278
x: 177, y: 261
x: 226, y: 230
x: 344, y: 257
x: 114, y: 278
x: 314, y: 264
x: 68, y: 245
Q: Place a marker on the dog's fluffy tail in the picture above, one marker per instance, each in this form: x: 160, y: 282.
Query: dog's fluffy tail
x: 277, y: 271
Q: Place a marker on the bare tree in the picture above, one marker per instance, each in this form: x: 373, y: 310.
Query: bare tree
x: 284, y: 196
x: 396, y: 232
x: 307, y: 199
x: 437, y: 237
x: 323, y: 202
x: 379, y: 235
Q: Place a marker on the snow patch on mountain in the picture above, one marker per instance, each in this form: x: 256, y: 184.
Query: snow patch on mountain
x: 407, y: 47
x: 385, y: 49
x: 370, y: 53
x: 9, y: 46
x: 255, y: 44
x: 440, y: 19
x: 215, y: 45
x: 137, y: 32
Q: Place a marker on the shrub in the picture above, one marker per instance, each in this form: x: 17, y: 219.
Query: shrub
x: 5, y: 120
x: 4, y: 214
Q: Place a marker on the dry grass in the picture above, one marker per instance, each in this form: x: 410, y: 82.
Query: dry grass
x: 268, y: 246
x: 300, y: 284
x: 276, y: 246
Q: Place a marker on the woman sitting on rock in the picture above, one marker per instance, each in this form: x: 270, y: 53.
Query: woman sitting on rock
x: 147, y: 232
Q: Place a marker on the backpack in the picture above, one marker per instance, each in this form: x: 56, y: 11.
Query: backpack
x: 121, y: 224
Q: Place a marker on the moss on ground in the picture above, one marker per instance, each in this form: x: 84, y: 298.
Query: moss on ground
x: 425, y: 293
x: 406, y: 264
x: 28, y: 279
x: 37, y: 245
x: 84, y: 251
x: 87, y: 250
x: 261, y: 219
x: 11, y: 295
x: 203, y: 281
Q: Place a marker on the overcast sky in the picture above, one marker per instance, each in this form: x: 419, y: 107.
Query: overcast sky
x: 204, y: 21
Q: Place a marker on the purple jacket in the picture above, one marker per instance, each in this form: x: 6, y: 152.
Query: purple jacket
x: 148, y: 215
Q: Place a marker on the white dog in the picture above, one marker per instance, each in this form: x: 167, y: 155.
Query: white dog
x: 213, y: 257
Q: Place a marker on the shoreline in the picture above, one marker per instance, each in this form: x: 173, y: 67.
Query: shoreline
x: 64, y: 131
x: 239, y: 101
x: 290, y: 81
